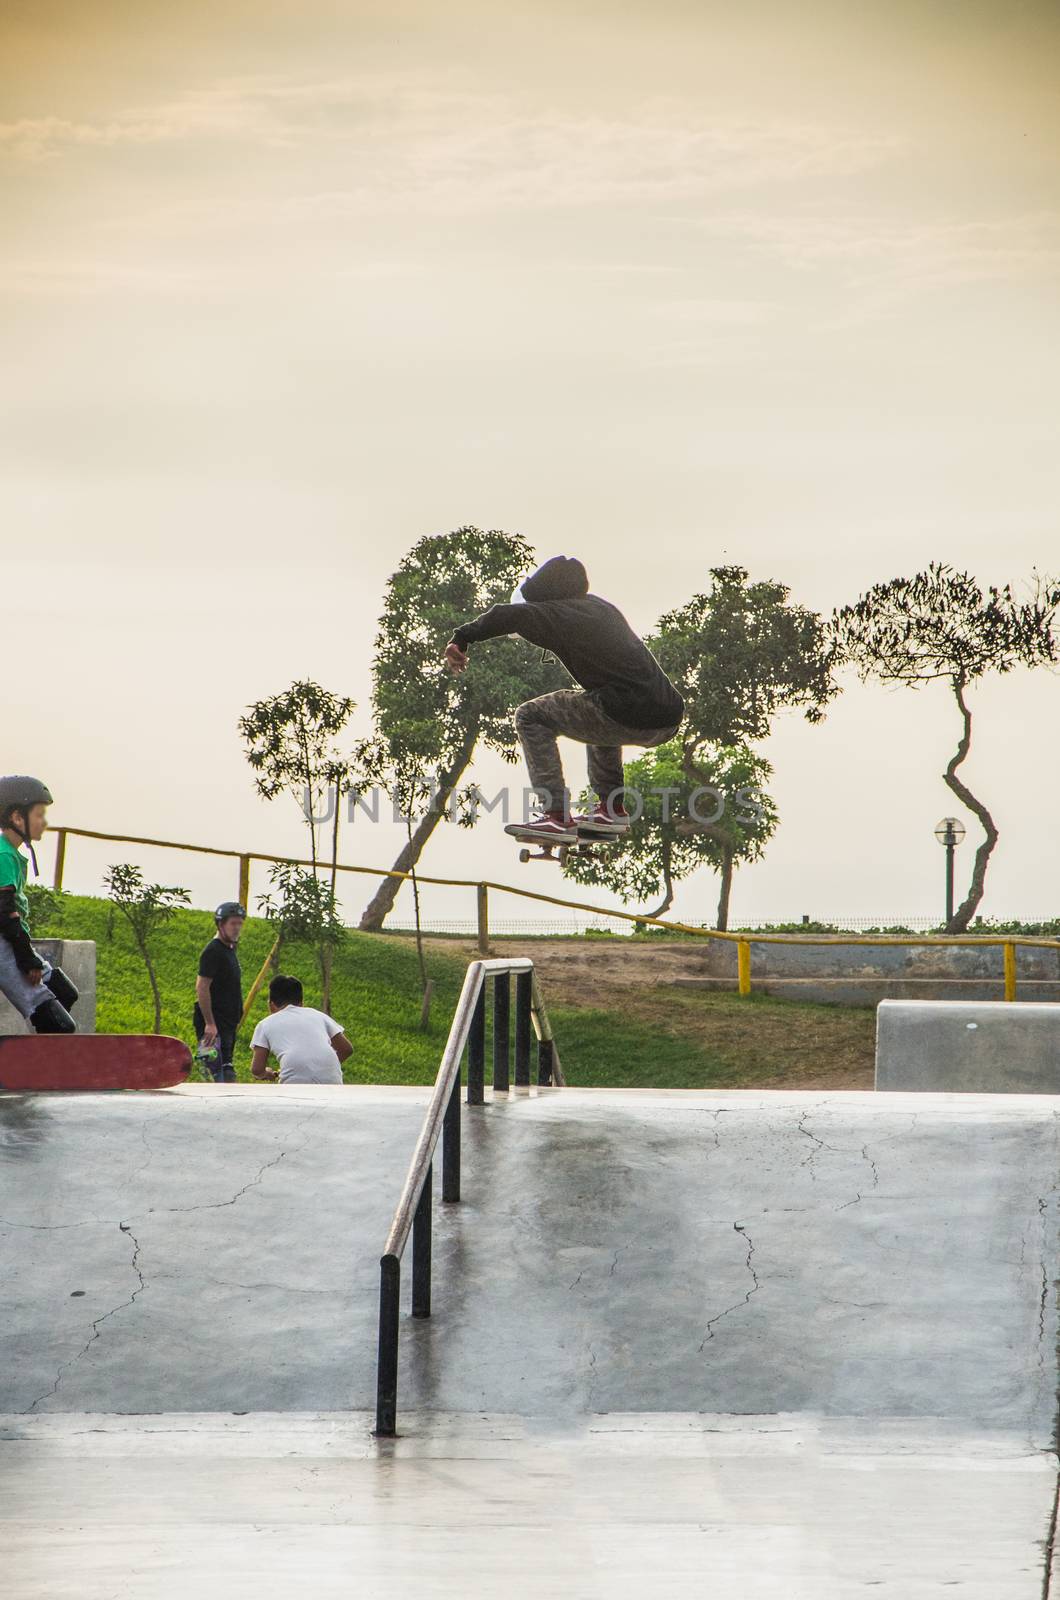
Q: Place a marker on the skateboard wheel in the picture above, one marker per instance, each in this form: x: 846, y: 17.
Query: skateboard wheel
x: 524, y: 856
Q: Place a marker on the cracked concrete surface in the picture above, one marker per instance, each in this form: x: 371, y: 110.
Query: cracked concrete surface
x: 99, y: 1321
x: 755, y: 1286
x: 236, y: 1216
x: 613, y: 1252
x: 820, y: 1340
x: 126, y: 1228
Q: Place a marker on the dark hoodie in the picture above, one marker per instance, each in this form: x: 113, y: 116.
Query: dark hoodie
x: 593, y: 640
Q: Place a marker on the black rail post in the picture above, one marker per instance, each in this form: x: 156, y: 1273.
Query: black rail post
x: 387, y: 1369
x: 544, y: 1061
x: 421, y: 1250
x: 524, y: 996
x: 451, y: 1145
x: 476, y: 1051
x: 502, y: 1010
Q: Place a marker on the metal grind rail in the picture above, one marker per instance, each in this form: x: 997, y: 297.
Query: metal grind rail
x: 414, y: 1214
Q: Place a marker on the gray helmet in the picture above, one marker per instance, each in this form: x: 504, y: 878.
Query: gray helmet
x: 229, y: 908
x: 22, y: 792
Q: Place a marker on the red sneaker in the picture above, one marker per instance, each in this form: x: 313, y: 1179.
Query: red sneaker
x: 609, y: 821
x: 549, y: 825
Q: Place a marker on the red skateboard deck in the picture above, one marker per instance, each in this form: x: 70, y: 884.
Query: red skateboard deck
x: 32, y: 1063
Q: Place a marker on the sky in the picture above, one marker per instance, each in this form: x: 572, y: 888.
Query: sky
x: 286, y: 287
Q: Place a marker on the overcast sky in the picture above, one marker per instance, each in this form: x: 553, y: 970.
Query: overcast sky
x: 287, y: 286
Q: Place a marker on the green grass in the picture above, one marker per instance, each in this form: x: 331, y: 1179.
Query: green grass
x: 658, y: 1039
x: 375, y: 987
x: 669, y: 1039
x: 599, y: 1051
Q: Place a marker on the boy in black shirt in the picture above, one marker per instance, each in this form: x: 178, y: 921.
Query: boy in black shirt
x: 625, y: 698
x: 219, y: 990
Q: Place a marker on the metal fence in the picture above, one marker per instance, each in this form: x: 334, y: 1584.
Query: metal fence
x: 742, y: 938
x: 544, y: 927
x: 506, y: 927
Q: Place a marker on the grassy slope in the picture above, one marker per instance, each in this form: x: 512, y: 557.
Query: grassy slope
x: 375, y: 989
x: 661, y: 1039
x: 671, y: 1040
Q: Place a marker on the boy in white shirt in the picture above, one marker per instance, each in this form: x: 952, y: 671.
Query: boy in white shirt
x: 309, y: 1045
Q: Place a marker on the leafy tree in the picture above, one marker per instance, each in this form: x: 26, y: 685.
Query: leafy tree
x: 740, y: 654
x: 939, y: 626
x: 673, y: 836
x: 146, y: 907
x: 289, y: 743
x: 303, y: 910
x: 427, y: 718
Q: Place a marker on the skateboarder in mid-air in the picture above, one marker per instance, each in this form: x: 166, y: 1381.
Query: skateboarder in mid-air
x: 625, y: 697
x: 40, y: 992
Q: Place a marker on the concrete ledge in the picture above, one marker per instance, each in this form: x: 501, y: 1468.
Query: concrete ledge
x: 854, y: 959
x: 869, y: 991
x: 756, y: 1506
x: 979, y: 1047
x: 77, y: 957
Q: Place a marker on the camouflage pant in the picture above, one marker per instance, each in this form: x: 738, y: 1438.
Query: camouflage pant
x: 577, y: 714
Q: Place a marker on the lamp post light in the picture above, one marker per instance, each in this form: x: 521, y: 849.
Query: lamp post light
x: 949, y: 832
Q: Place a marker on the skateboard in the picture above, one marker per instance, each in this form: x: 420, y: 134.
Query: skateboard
x: 559, y: 851
x: 33, y: 1063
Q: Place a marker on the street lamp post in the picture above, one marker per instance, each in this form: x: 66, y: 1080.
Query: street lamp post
x: 949, y: 832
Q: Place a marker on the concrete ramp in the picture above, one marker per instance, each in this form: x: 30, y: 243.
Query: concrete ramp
x: 766, y: 1344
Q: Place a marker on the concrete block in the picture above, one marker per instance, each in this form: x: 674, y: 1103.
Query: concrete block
x: 77, y: 957
x: 974, y: 1047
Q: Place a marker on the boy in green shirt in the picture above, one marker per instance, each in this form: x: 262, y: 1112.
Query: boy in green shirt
x: 37, y: 990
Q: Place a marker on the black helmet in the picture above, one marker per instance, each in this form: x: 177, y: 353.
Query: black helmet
x: 19, y: 792
x: 229, y: 908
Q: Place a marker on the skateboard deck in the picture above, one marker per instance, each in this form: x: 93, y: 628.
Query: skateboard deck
x: 32, y: 1063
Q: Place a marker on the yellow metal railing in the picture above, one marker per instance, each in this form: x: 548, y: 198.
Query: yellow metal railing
x: 742, y: 941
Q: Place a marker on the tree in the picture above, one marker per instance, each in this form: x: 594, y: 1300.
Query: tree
x: 666, y: 843
x: 740, y: 654
x: 939, y: 626
x: 412, y: 796
x: 427, y: 718
x: 289, y: 743
x: 146, y: 907
x: 303, y: 910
